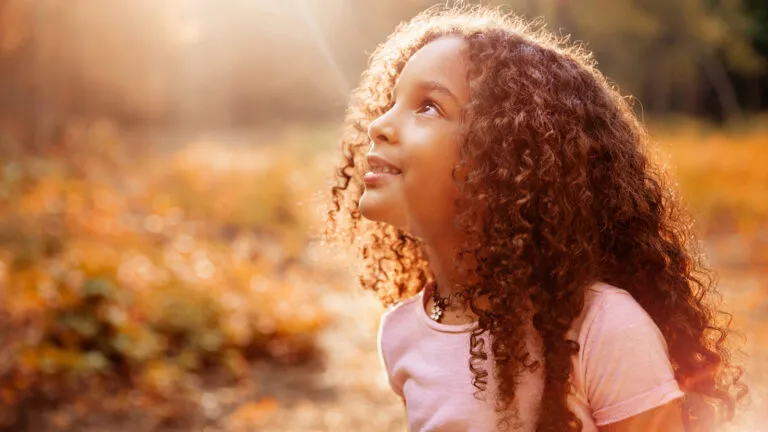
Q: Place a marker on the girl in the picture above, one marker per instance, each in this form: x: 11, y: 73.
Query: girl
x: 544, y: 274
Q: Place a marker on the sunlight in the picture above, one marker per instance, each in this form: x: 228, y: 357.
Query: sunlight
x: 166, y: 171
x: 317, y: 35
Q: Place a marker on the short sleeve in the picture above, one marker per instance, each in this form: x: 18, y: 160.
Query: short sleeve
x: 626, y: 362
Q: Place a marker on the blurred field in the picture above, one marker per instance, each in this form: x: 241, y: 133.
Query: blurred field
x: 723, y: 179
x: 183, y: 288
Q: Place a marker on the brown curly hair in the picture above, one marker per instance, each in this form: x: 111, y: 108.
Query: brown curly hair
x: 560, y: 191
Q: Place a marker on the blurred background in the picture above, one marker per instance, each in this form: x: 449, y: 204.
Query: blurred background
x: 162, y: 171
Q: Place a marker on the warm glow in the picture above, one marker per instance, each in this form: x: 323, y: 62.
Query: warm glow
x: 164, y: 166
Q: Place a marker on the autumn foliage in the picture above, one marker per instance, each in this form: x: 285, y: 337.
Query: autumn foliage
x: 130, y: 270
x: 124, y: 265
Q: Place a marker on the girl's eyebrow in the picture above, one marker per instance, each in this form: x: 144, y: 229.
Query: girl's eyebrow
x: 431, y: 85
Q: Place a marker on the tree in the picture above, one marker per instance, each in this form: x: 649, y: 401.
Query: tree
x: 660, y: 50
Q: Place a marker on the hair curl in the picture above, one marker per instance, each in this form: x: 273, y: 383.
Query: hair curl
x: 560, y: 192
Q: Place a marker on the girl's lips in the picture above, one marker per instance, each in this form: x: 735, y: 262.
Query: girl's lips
x: 376, y: 178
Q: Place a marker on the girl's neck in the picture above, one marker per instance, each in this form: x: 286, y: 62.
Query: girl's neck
x: 443, y: 266
x: 451, y: 316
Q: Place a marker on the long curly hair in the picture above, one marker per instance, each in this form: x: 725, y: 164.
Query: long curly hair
x: 560, y: 191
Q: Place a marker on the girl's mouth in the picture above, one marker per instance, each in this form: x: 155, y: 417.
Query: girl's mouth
x: 380, y: 174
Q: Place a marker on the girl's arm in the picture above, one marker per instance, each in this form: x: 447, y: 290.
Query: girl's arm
x: 666, y: 418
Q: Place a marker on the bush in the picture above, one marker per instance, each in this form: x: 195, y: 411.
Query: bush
x: 146, y: 267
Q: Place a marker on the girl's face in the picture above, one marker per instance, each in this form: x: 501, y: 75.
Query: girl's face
x: 414, y: 144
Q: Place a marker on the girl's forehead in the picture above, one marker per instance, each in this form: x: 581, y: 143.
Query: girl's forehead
x: 443, y: 61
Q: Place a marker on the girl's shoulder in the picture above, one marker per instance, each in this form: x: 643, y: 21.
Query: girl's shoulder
x: 606, y: 305
x: 601, y: 291
x: 613, y: 319
x: 397, y: 327
x: 400, y: 306
x: 398, y: 311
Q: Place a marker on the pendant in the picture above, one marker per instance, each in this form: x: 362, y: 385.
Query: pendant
x: 437, y: 312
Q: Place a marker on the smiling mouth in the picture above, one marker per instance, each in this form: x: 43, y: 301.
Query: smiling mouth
x: 385, y: 170
x: 379, y: 175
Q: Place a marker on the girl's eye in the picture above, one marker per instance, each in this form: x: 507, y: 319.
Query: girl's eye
x: 428, y: 107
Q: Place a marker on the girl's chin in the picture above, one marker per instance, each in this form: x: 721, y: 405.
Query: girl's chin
x: 372, y: 205
x: 376, y: 207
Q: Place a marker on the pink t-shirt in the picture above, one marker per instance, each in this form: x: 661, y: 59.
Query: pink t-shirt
x: 621, y: 369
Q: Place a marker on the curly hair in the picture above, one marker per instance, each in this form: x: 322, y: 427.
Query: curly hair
x: 560, y: 190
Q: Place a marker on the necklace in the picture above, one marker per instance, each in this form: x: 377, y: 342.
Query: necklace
x: 440, y: 304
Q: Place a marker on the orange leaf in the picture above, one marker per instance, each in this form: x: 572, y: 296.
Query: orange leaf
x: 252, y: 414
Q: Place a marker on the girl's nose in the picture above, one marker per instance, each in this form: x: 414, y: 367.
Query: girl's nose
x: 381, y: 130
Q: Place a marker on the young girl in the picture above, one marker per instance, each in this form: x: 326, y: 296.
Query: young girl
x: 544, y: 274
